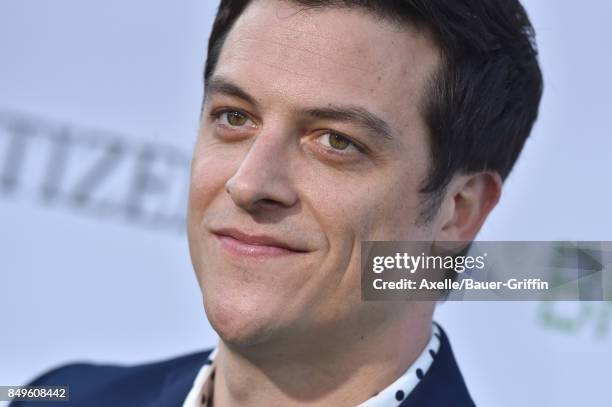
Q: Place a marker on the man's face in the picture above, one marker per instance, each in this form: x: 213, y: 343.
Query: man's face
x: 311, y: 141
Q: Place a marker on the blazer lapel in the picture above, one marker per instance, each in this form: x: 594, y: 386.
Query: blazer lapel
x: 179, y: 381
x: 443, y: 384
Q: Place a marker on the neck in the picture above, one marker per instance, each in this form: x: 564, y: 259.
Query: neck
x: 322, y: 369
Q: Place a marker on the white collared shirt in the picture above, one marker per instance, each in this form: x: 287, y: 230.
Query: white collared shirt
x: 201, y: 395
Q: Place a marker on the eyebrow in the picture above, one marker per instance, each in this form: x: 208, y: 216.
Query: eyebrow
x: 353, y: 114
x: 342, y: 113
x: 222, y: 86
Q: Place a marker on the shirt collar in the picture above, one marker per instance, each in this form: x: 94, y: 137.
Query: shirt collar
x: 201, y: 393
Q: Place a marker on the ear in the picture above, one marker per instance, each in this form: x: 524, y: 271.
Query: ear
x: 468, y: 201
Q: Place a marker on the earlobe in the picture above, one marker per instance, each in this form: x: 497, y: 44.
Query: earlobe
x: 469, y: 200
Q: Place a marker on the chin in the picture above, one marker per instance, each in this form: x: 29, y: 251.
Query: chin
x: 237, y: 323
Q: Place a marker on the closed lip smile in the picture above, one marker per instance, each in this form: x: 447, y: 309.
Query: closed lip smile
x: 254, y: 245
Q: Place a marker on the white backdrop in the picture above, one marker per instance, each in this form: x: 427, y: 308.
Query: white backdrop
x: 80, y: 281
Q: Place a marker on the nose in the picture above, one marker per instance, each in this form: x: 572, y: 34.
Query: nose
x: 262, y: 179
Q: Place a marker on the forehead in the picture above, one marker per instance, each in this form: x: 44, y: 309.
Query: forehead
x: 296, y: 55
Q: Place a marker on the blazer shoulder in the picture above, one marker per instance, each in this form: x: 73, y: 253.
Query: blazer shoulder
x: 98, y: 384
x: 87, y: 371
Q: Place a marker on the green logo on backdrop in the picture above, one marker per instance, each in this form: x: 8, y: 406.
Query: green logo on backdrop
x: 575, y: 317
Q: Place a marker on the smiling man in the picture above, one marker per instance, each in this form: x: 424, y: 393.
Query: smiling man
x: 325, y: 124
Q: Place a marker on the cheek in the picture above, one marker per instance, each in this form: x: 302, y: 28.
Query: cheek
x: 371, y: 208
x: 210, y: 170
x: 211, y: 167
x: 400, y: 211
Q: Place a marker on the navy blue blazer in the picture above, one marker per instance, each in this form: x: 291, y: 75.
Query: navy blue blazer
x: 166, y: 383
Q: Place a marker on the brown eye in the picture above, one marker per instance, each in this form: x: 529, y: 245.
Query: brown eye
x: 338, y: 142
x: 236, y: 119
x: 233, y: 120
